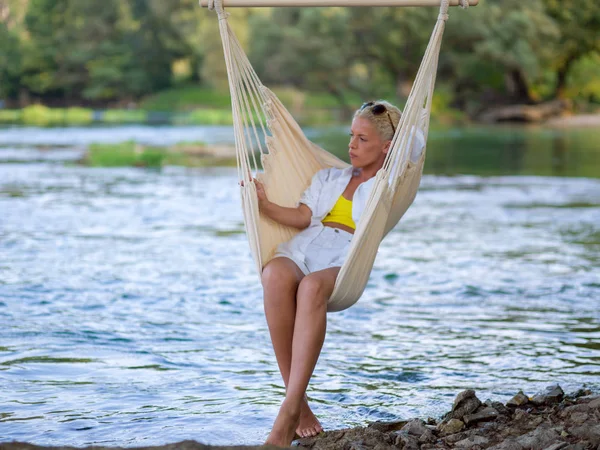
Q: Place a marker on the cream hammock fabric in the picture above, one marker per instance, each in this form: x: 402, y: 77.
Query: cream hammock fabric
x: 264, y: 128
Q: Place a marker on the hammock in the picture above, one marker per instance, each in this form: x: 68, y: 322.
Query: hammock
x: 262, y: 126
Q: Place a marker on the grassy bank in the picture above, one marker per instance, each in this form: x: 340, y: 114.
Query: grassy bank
x: 193, y: 105
x: 132, y: 154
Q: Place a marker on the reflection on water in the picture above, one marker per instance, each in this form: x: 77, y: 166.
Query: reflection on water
x: 130, y: 312
x: 503, y: 151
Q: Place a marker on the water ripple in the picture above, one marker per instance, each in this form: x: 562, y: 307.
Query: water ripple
x: 130, y: 313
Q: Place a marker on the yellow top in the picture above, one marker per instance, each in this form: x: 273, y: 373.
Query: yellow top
x: 341, y: 213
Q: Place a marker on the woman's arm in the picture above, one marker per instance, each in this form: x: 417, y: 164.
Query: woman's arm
x: 292, y: 217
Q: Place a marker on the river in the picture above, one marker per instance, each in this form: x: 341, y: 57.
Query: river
x: 131, y: 314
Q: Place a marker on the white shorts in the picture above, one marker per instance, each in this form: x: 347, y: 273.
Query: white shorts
x: 327, y: 249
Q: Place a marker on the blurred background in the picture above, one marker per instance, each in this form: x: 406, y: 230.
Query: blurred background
x: 164, y: 56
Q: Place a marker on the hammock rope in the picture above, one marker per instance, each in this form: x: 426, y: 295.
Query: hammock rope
x: 263, y: 126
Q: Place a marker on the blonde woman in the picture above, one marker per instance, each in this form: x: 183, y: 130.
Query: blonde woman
x: 299, y: 280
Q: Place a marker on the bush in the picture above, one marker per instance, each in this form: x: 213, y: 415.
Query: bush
x: 112, y: 155
x: 207, y: 117
x: 187, y: 98
x: 151, y: 157
x: 42, y: 116
x: 10, y: 115
x: 79, y: 116
x: 125, y: 116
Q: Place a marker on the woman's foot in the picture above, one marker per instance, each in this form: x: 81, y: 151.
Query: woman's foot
x: 309, y: 425
x: 286, y: 422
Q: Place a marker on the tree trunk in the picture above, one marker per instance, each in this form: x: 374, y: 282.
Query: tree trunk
x: 346, y: 109
x: 561, y: 77
x: 516, y: 85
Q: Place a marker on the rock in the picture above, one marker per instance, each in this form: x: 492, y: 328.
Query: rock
x: 451, y: 427
x: 406, y: 441
x: 588, y: 431
x: 580, y: 408
x: 518, y: 400
x: 539, y: 438
x: 579, y: 417
x: 387, y: 427
x: 453, y: 438
x: 520, y: 415
x: 427, y: 446
x: 553, y: 394
x: 594, y: 403
x: 581, y: 392
x: 465, y: 403
x: 498, y: 406
x: 382, y: 446
x: 350, y: 439
x: 557, y: 446
x: 508, y: 444
x: 574, y: 447
x: 488, y: 413
x: 427, y: 437
x: 416, y: 427
x: 472, y: 441
x: 488, y: 427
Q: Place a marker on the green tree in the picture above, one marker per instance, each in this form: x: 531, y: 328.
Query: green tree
x: 579, y: 24
x: 309, y: 48
x: 10, y: 62
x: 498, y: 52
x: 100, y: 51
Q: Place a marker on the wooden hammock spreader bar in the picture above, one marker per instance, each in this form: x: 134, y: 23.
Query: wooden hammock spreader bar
x: 344, y: 3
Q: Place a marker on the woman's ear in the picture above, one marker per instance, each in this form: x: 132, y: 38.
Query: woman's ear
x: 387, y: 146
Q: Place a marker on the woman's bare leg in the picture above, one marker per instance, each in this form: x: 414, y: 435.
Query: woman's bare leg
x: 281, y: 277
x: 309, y: 333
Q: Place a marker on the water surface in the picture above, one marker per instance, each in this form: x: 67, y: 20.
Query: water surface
x: 130, y: 312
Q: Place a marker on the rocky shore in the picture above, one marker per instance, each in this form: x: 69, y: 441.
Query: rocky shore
x: 549, y: 420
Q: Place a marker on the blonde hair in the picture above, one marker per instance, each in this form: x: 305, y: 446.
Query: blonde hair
x: 382, y: 122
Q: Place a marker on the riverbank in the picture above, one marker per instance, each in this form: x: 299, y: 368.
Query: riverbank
x: 549, y: 420
x: 575, y: 121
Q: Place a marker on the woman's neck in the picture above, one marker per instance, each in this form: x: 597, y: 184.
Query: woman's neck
x: 365, y: 173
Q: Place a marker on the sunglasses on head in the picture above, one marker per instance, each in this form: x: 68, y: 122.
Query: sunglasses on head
x: 378, y: 109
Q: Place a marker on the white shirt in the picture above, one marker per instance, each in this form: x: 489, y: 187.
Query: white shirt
x: 327, y: 186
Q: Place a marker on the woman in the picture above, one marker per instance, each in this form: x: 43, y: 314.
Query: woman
x: 300, y: 278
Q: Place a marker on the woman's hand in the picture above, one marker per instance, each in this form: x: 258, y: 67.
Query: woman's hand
x: 298, y: 217
x: 260, y: 192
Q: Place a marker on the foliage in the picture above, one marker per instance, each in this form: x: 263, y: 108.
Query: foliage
x: 10, y: 116
x: 112, y: 155
x: 132, y: 154
x: 125, y: 154
x: 168, y: 52
x: 207, y: 117
x: 10, y: 62
x: 186, y: 98
x: 583, y: 82
x: 42, y: 116
x: 579, y: 24
x: 125, y: 116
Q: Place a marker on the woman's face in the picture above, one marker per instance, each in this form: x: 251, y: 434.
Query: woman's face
x: 366, y: 148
